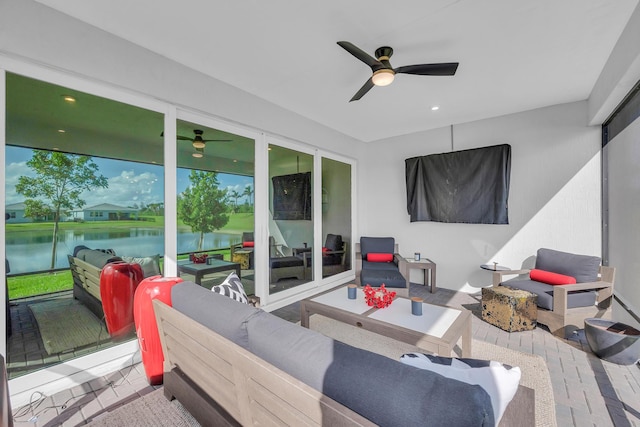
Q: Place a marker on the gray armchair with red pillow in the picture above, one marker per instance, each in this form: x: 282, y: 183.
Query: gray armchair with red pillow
x: 569, y: 288
x: 378, y: 262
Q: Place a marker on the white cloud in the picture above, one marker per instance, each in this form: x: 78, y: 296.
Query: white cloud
x: 13, y: 172
x: 126, y: 189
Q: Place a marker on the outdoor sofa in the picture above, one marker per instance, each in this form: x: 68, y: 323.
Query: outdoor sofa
x: 232, y: 364
x: 86, y: 268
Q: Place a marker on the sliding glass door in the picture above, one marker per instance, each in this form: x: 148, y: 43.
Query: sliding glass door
x: 215, y: 201
x: 82, y: 171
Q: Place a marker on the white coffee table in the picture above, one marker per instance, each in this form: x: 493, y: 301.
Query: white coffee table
x: 437, y: 330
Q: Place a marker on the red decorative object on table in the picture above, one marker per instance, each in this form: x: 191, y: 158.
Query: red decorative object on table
x: 379, y: 298
x: 198, y: 258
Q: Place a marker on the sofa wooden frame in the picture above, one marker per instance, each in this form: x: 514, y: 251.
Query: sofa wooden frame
x: 562, y: 320
x: 86, y: 284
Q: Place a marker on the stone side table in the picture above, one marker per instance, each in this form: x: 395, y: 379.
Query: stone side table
x: 509, y: 309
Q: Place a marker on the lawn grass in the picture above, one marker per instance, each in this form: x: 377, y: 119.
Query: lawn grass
x: 38, y: 284
x: 238, y: 222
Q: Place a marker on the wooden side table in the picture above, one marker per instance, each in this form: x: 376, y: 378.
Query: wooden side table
x: 429, y: 268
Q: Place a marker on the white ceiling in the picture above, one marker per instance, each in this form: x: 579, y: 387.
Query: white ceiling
x: 514, y: 55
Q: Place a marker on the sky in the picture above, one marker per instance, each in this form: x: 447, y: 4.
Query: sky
x: 129, y: 183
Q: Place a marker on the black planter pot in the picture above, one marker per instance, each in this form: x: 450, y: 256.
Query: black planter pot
x: 614, y: 342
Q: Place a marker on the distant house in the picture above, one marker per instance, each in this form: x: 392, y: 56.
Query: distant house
x: 105, y: 212
x: 16, y: 214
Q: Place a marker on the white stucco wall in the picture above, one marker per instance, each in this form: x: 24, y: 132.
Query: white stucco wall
x: 554, y: 201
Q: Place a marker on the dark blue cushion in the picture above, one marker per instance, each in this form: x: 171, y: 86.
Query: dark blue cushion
x: 381, y: 245
x: 97, y: 258
x: 545, y: 293
x: 583, y: 267
x: 333, y: 242
x: 390, y: 278
x: 368, y: 265
x: 380, y: 389
x: 287, y: 261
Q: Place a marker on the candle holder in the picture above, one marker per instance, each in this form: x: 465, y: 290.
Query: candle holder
x: 352, y: 291
x: 416, y: 306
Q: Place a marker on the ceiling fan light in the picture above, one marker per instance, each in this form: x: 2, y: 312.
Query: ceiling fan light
x: 198, y: 144
x: 383, y: 77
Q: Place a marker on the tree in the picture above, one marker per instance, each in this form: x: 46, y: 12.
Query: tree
x: 202, y: 205
x: 235, y: 195
x: 248, y: 191
x: 60, y: 180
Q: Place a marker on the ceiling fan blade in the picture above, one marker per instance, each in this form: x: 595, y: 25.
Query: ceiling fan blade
x: 216, y: 140
x: 363, y: 90
x: 183, y: 138
x: 442, y: 69
x: 360, y: 54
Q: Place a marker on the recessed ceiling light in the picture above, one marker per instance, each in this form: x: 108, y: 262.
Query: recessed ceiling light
x: 235, y: 161
x: 61, y: 131
x: 56, y: 148
x: 197, y: 155
x: 435, y: 108
x: 69, y: 98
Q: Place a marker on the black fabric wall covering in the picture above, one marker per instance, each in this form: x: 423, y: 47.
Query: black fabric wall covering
x: 469, y: 186
x: 292, y: 196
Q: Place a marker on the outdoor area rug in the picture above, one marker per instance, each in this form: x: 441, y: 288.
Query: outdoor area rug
x: 66, y: 324
x: 150, y: 410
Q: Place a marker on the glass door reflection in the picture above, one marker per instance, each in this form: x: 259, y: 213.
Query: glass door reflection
x: 215, y: 204
x: 336, y: 217
x: 291, y: 218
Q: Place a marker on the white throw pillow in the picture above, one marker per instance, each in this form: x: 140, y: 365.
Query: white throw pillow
x: 232, y: 288
x: 498, y: 380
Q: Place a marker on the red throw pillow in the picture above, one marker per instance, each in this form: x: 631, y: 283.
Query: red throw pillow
x: 551, y: 278
x: 247, y: 244
x: 325, y: 249
x: 375, y: 257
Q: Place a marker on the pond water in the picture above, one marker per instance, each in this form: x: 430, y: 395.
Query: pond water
x: 28, y: 252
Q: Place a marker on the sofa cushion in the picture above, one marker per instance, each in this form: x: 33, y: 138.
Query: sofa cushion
x: 150, y: 265
x: 545, y: 293
x: 500, y: 381
x: 376, y: 244
x: 583, y: 267
x: 392, y: 278
x: 333, y: 242
x: 217, y: 312
x: 97, y: 258
x: 232, y: 288
x: 368, y: 265
x: 356, y: 377
x: 551, y: 278
x: 287, y: 261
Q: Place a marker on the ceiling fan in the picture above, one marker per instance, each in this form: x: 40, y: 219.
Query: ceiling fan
x: 384, y: 73
x: 197, y: 141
